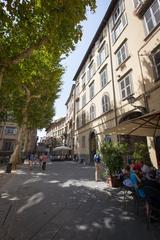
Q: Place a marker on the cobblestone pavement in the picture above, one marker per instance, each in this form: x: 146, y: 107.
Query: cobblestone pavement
x: 65, y: 203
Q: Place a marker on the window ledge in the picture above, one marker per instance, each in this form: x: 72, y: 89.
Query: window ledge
x: 153, y: 30
x: 121, y: 65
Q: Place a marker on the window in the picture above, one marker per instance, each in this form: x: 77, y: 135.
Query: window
x: 107, y: 138
x: 8, y: 145
x: 10, y: 130
x: 83, y: 81
x: 152, y: 16
x: 102, y: 55
x: 105, y: 103
x: 116, y: 14
x: 83, y: 100
x: 91, y: 71
x: 83, y: 141
x: 77, y: 106
x: 77, y: 90
x: 83, y: 118
x: 121, y: 24
x: 125, y: 86
x: 156, y: 62
x: 137, y: 3
x: 78, y: 122
x: 104, y: 77
x: 92, y: 112
x: 91, y: 90
x: 122, y: 54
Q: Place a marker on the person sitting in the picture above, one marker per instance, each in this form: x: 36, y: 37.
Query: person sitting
x: 136, y: 181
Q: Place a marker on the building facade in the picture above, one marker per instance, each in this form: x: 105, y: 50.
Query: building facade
x: 122, y: 63
x: 70, y: 119
x: 8, y: 137
x: 56, y: 134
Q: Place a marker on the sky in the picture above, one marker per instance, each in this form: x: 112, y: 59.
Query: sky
x: 73, y: 61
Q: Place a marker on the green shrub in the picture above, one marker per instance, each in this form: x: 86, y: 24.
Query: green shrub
x: 112, y: 156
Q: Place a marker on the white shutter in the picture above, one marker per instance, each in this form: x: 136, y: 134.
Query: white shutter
x: 124, y: 20
x: 94, y: 68
x: 113, y: 37
x: 98, y: 60
x: 88, y: 75
x: 106, y: 50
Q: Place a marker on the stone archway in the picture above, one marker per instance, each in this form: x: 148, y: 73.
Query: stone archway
x: 92, y: 145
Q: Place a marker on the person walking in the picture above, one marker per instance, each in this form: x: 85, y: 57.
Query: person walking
x: 97, y: 160
x: 31, y: 159
x: 44, y: 161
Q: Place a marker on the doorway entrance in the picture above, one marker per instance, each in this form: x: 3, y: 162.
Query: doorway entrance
x: 92, y: 145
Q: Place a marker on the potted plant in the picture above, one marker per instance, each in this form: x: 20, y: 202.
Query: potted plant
x: 112, y: 156
x: 141, y: 153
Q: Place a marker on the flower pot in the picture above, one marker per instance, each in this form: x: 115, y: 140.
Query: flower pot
x: 113, y: 181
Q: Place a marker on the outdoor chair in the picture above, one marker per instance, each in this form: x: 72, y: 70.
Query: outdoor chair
x: 128, y: 193
x: 152, y: 198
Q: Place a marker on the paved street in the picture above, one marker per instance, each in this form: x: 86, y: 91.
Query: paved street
x: 65, y: 203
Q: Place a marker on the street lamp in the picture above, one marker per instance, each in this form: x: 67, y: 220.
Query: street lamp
x: 131, y: 100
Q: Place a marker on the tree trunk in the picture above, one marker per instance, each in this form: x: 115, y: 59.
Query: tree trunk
x: 26, y: 141
x: 15, y: 155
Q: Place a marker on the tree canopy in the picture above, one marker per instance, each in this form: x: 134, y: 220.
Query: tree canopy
x: 26, y: 25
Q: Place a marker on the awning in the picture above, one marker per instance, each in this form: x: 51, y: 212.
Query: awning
x: 61, y: 148
x: 146, y: 125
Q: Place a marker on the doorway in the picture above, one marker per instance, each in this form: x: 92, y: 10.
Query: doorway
x: 93, y: 145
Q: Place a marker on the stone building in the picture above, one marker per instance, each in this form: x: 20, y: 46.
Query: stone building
x: 121, y: 64
x: 56, y: 134
x: 70, y: 119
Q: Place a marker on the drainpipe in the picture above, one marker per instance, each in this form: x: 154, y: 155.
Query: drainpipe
x: 111, y: 60
x: 114, y: 95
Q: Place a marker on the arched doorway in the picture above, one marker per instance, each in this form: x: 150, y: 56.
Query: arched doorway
x: 92, y: 145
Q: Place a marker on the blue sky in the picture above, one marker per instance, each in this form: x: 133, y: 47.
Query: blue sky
x: 72, y: 62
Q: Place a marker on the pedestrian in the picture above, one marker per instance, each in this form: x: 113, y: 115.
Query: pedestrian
x: 30, y: 159
x: 97, y: 160
x: 44, y: 161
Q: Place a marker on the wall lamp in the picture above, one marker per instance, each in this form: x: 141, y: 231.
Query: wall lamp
x: 131, y: 100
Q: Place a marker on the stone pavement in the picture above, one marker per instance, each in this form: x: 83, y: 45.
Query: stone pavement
x: 65, y: 203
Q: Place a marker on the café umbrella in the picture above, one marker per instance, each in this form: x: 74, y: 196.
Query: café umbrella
x: 146, y: 125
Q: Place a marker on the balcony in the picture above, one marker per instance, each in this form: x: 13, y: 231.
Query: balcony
x: 142, y: 7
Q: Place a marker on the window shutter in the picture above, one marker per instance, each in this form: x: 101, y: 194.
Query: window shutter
x: 113, y: 37
x: 88, y: 75
x: 98, y: 60
x: 124, y: 20
x: 106, y: 50
x: 94, y: 68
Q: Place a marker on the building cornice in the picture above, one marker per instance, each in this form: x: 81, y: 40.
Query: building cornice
x: 96, y: 36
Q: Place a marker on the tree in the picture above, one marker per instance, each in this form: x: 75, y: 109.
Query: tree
x: 28, y: 25
x: 37, y: 81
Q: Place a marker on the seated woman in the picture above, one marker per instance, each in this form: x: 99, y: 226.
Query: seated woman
x: 136, y: 181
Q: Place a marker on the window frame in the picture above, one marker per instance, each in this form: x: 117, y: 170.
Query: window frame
x: 121, y: 23
x: 154, y: 52
x: 92, y: 112
x: 83, y: 100
x: 152, y: 17
x: 104, y: 70
x: 126, y: 86
x: 106, y: 106
x: 91, y: 90
x: 119, y: 51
